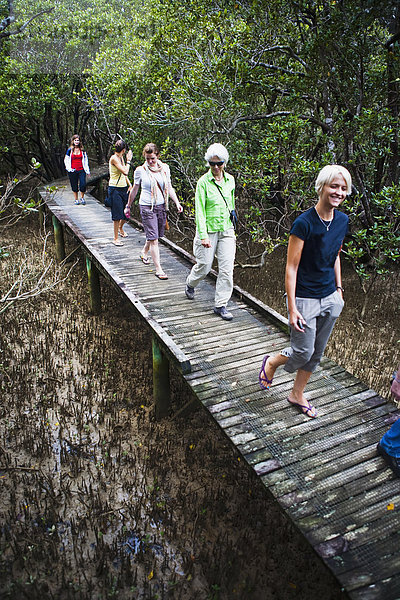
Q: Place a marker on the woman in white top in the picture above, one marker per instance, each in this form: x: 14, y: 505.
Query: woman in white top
x: 155, y: 181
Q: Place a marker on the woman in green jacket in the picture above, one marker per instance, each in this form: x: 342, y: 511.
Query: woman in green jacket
x: 215, y: 234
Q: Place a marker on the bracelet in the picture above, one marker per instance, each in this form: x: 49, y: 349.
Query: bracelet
x: 339, y: 287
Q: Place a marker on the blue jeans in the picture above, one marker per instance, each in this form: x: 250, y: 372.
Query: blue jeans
x: 390, y: 442
x: 77, y: 177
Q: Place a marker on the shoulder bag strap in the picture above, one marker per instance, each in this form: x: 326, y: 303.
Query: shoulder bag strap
x: 160, y: 188
x: 223, y: 197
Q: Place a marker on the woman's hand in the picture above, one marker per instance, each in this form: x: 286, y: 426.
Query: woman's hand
x: 296, y: 320
x: 179, y: 206
x: 206, y: 243
x: 129, y: 156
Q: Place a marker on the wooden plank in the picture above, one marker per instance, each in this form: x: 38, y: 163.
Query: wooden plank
x: 213, y: 340
x: 205, y: 341
x: 295, y: 501
x: 281, y: 483
x: 386, y: 557
x: 321, y: 385
x: 358, y: 514
x: 387, y: 526
x: 272, y: 429
x: 387, y: 589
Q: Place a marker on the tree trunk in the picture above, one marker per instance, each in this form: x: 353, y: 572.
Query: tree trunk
x: 392, y: 59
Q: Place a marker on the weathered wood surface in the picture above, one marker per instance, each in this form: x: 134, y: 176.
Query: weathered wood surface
x: 324, y: 473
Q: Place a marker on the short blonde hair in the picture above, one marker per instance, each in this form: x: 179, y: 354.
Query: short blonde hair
x: 328, y: 173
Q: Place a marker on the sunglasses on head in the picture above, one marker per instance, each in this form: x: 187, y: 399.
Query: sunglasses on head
x: 217, y: 163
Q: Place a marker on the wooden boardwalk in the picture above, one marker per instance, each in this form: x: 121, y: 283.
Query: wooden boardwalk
x: 324, y: 473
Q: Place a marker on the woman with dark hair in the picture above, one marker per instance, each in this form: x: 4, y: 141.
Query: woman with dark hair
x: 118, y: 187
x: 154, y: 178
x: 77, y: 164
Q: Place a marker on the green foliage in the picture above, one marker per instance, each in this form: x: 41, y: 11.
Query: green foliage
x: 41, y: 80
x: 375, y: 249
x: 288, y: 86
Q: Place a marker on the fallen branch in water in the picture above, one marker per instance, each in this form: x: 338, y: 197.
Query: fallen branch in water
x: 259, y: 264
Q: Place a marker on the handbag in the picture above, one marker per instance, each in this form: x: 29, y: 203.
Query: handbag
x: 232, y: 213
x: 166, y: 219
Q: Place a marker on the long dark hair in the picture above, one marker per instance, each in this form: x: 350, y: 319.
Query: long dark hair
x: 72, y: 145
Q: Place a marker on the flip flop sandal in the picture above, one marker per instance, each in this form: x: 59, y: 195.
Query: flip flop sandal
x: 304, y: 409
x: 118, y: 243
x: 145, y: 259
x: 123, y: 234
x: 263, y: 380
x: 161, y: 276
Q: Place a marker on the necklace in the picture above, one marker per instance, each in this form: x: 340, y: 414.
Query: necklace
x: 326, y: 224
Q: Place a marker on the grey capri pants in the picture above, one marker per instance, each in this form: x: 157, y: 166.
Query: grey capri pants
x: 306, y: 349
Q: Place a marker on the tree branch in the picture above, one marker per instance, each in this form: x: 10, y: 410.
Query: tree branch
x: 8, y: 200
x: 23, y: 287
x: 392, y: 40
x: 7, y: 21
x: 282, y: 113
x: 259, y: 264
x: 287, y: 50
x: 281, y: 69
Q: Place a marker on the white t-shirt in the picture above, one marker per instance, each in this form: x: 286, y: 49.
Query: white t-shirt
x: 142, y: 178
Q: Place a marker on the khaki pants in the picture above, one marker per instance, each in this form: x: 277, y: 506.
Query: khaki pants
x: 223, y: 246
x: 306, y: 349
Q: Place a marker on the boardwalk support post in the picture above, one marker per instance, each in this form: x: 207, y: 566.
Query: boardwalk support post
x: 59, y: 239
x: 94, y: 287
x: 161, y: 387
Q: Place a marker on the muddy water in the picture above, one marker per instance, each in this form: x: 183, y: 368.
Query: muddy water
x: 100, y: 501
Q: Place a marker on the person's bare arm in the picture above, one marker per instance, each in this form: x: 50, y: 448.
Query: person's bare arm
x: 338, y: 275
x: 120, y: 165
x: 295, y: 249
